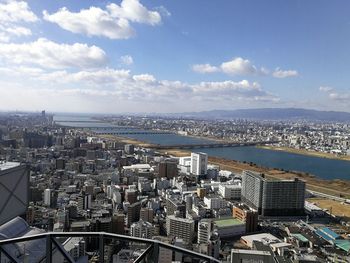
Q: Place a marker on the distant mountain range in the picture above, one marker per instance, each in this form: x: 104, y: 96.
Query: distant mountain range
x: 270, y: 114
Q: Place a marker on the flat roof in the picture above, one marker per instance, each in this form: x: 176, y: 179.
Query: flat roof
x: 260, y: 237
x: 251, y: 252
x: 8, y: 165
x: 300, y: 237
x: 228, y: 222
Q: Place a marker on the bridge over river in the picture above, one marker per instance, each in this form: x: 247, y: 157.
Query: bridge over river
x: 210, y: 145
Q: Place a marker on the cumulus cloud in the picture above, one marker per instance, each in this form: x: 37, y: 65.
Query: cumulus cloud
x: 127, y: 60
x: 48, y: 54
x: 279, y: 73
x: 16, y: 11
x: 241, y: 66
x: 12, y: 15
x: 238, y: 66
x: 204, y: 68
x: 326, y: 89
x: 112, y: 22
x: 120, y: 85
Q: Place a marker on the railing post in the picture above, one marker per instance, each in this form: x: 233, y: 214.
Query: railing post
x: 48, y: 249
x: 155, y: 252
x: 101, y: 248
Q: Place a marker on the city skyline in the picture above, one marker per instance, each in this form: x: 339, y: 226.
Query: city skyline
x: 166, y: 56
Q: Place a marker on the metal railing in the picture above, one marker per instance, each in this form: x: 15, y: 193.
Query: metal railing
x: 152, y: 251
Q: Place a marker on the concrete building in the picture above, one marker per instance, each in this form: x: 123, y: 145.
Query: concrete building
x: 247, y: 215
x: 14, y: 190
x: 252, y: 189
x: 199, y: 163
x: 143, y: 229
x: 133, y: 214
x: 273, y: 197
x: 47, y: 197
x: 167, y: 169
x: 146, y: 214
x: 129, y: 148
x: 251, y: 256
x: 229, y: 227
x: 230, y: 191
x: 205, y: 228
x: 215, y: 202
x: 181, y: 228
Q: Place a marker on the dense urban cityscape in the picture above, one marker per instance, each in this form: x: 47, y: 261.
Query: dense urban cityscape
x: 66, y: 179
x: 162, y: 131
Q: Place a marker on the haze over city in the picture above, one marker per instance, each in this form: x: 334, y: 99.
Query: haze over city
x: 173, y: 56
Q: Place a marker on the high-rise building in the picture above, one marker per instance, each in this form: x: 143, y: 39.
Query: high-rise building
x: 181, y: 228
x: 146, y: 214
x: 14, y: 190
x: 167, y: 169
x: 205, y: 228
x: 252, y: 188
x: 199, y: 163
x: 133, y: 214
x: 47, y: 197
x: 283, y: 198
x: 118, y: 222
x: 273, y: 197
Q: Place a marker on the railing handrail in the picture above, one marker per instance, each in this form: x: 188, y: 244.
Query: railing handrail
x: 109, y: 235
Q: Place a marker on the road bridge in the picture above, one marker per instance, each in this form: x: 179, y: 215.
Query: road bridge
x: 211, y: 145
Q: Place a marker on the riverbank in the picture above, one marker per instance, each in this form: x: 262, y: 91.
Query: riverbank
x: 331, y: 187
x: 305, y: 152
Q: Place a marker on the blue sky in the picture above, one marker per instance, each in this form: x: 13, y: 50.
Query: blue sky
x: 173, y: 56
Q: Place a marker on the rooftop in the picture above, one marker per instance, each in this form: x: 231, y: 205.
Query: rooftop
x: 300, y: 237
x: 228, y: 222
x: 8, y: 165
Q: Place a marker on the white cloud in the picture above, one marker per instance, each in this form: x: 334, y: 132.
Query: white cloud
x: 16, y: 11
x: 345, y: 97
x: 326, y: 89
x: 112, y: 89
x: 113, y: 22
x: 127, y: 60
x: 238, y: 66
x: 241, y: 66
x: 204, y: 68
x: 279, y: 73
x: 12, y: 15
x: 50, y: 54
x: 134, y: 11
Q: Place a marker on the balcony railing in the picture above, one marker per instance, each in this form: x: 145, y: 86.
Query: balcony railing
x: 150, y: 254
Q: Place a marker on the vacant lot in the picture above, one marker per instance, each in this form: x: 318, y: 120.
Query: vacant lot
x: 334, y: 207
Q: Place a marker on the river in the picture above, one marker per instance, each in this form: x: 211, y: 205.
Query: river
x: 321, y: 167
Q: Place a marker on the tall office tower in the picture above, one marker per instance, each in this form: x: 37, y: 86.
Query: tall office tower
x: 142, y: 229
x: 252, y: 188
x: 199, y: 163
x: 133, y: 214
x: 14, y: 190
x: 273, y: 197
x: 47, y: 197
x: 146, y: 214
x: 167, y: 169
x: 180, y: 228
x: 205, y: 228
